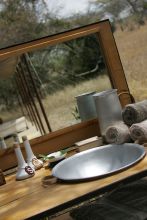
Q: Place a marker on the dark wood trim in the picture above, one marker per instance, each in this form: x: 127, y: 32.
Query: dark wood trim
x: 47, y: 41
x: 113, y: 62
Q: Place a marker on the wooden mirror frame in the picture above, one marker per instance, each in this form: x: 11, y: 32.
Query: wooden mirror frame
x: 66, y: 137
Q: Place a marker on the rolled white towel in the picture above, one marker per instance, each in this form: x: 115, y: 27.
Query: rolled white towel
x: 118, y: 134
x: 138, y: 131
x: 135, y: 113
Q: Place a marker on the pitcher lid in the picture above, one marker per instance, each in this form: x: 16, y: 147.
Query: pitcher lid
x: 106, y: 92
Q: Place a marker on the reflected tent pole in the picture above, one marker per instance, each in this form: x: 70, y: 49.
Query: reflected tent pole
x: 31, y: 99
x: 24, y: 56
x: 28, y: 102
x: 20, y: 104
x: 23, y: 97
x: 35, y: 73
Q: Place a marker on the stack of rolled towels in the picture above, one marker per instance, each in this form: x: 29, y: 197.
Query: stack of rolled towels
x: 135, y: 115
x: 133, y: 126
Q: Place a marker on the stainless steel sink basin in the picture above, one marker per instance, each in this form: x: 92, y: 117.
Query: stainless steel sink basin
x: 98, y: 162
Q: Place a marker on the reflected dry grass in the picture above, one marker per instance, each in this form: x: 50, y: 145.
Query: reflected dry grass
x: 59, y: 106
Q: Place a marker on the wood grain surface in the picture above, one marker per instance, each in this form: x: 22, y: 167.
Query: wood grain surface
x: 23, y: 199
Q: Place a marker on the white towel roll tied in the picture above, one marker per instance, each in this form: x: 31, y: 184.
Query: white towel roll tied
x: 118, y: 134
x: 138, y: 131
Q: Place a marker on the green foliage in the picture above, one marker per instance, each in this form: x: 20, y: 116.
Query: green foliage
x: 68, y: 63
x: 47, y: 157
x: 15, y: 22
x: 145, y: 5
x: 137, y: 9
x: 56, y: 66
x: 8, y: 93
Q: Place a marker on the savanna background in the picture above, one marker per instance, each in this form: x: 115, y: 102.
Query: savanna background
x: 65, y: 71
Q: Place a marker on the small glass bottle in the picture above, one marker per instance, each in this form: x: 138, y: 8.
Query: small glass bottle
x: 23, y: 171
x: 31, y: 158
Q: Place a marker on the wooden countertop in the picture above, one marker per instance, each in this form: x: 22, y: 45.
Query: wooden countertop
x: 27, y: 198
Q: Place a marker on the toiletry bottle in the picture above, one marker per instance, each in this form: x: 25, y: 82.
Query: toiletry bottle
x: 31, y: 158
x: 23, y: 171
x: 2, y: 143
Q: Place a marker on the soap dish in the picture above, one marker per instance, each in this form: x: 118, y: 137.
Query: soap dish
x: 54, y: 157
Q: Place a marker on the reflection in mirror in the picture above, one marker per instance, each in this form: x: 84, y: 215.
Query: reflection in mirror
x: 59, y: 73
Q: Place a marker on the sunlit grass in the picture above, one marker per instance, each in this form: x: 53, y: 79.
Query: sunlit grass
x: 132, y: 47
x: 59, y: 106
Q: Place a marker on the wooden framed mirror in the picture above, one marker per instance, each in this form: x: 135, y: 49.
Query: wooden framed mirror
x: 67, y: 136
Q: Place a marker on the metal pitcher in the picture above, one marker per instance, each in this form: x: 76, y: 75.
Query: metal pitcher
x: 108, y: 107
x: 86, y: 106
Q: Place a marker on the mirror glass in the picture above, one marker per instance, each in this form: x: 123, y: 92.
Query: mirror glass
x: 60, y: 73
